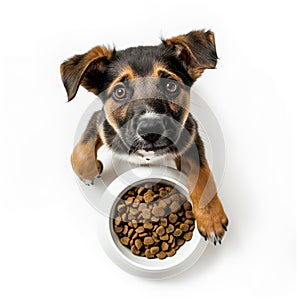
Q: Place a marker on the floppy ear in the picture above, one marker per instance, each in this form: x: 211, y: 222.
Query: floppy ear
x: 196, y: 50
x: 85, y: 69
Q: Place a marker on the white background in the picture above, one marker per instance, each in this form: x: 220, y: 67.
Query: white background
x: 48, y: 242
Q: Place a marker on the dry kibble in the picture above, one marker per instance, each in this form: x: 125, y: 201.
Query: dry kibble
x: 125, y: 240
x: 184, y: 227
x: 153, y: 221
x: 164, y: 246
x: 177, y: 232
x: 148, y: 240
x: 189, y: 214
x: 173, y: 218
x: 160, y: 230
x: 161, y: 255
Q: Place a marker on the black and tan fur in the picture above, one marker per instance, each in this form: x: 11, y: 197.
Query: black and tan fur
x: 142, y: 74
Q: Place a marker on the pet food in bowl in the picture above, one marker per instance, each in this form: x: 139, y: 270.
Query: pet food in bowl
x: 153, y: 220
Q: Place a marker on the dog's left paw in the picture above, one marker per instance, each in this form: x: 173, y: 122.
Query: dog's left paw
x: 212, y: 221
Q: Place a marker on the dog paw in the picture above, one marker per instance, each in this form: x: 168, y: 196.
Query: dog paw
x: 90, y: 182
x: 212, y: 222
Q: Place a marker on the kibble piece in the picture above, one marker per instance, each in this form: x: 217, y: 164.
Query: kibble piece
x: 154, y: 219
x: 118, y: 221
x: 129, y: 200
x: 187, y: 205
x: 170, y: 228
x: 180, y: 242
x: 142, y: 206
x: 149, y: 254
x: 118, y: 229
x: 171, y: 239
x: 160, y: 230
x: 184, y: 227
x: 164, y: 237
x: 163, y: 222
x: 164, y: 246
x: 143, y: 234
x: 188, y: 236
x: 148, y: 197
x: 158, y: 211
x: 133, y: 211
x: 130, y: 232
x: 131, y: 193
x: 138, y: 244
x: 189, y: 214
x: 173, y: 218
x: 125, y: 240
x: 189, y: 222
x: 141, y: 190
x: 121, y: 208
x: 174, y: 207
x: 171, y: 252
x: 146, y: 213
x: 135, y: 250
x: 177, y: 232
x: 154, y: 250
x: 161, y: 255
x: 125, y: 230
x: 148, y: 226
x: 140, y: 229
x: 148, y: 240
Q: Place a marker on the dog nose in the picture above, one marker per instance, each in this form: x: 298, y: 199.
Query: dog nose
x: 150, y: 130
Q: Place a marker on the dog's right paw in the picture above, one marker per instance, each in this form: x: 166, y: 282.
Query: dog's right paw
x: 90, y: 182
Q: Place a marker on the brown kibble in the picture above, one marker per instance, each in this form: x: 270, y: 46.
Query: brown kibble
x: 160, y: 230
x: 146, y: 213
x: 173, y: 218
x: 148, y: 240
x: 125, y: 230
x: 188, y: 236
x: 148, y: 197
x: 140, y: 229
x: 129, y: 200
x: 154, y: 219
x: 171, y: 252
x: 189, y: 214
x: 118, y: 229
x: 125, y: 240
x: 161, y: 255
x: 121, y: 208
x: 170, y: 228
x: 142, y: 206
x: 163, y: 193
x: 180, y: 242
x: 164, y: 246
x: 143, y: 234
x: 118, y: 221
x: 154, y: 250
x: 134, y: 250
x: 174, y: 207
x: 177, y: 232
x: 141, y: 190
x: 171, y: 239
x: 133, y: 211
x: 187, y: 205
x: 138, y: 244
x: 148, y: 226
x: 149, y: 254
x: 164, y: 237
x: 184, y: 227
x: 130, y: 232
x: 163, y: 222
x: 158, y: 211
x: 189, y: 222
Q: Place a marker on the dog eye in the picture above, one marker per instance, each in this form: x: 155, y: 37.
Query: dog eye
x: 119, y: 91
x: 171, y: 86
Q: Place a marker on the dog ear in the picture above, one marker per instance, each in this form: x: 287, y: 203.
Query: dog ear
x: 197, y: 51
x: 86, y: 70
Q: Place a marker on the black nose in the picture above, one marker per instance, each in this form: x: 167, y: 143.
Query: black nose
x: 150, y: 130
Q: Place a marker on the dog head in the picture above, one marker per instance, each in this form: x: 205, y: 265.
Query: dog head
x: 145, y: 90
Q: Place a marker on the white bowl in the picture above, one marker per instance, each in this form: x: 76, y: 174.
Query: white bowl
x: 186, y: 255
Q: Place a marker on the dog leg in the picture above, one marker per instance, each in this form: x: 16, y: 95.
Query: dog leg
x: 84, y: 157
x: 211, y: 219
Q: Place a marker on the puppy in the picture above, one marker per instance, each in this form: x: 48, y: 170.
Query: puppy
x: 146, y: 95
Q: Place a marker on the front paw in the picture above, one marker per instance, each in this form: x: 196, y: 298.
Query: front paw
x: 212, y: 221
x: 91, y: 181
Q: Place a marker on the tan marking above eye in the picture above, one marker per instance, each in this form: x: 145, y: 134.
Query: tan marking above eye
x: 126, y: 72
x: 159, y: 68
